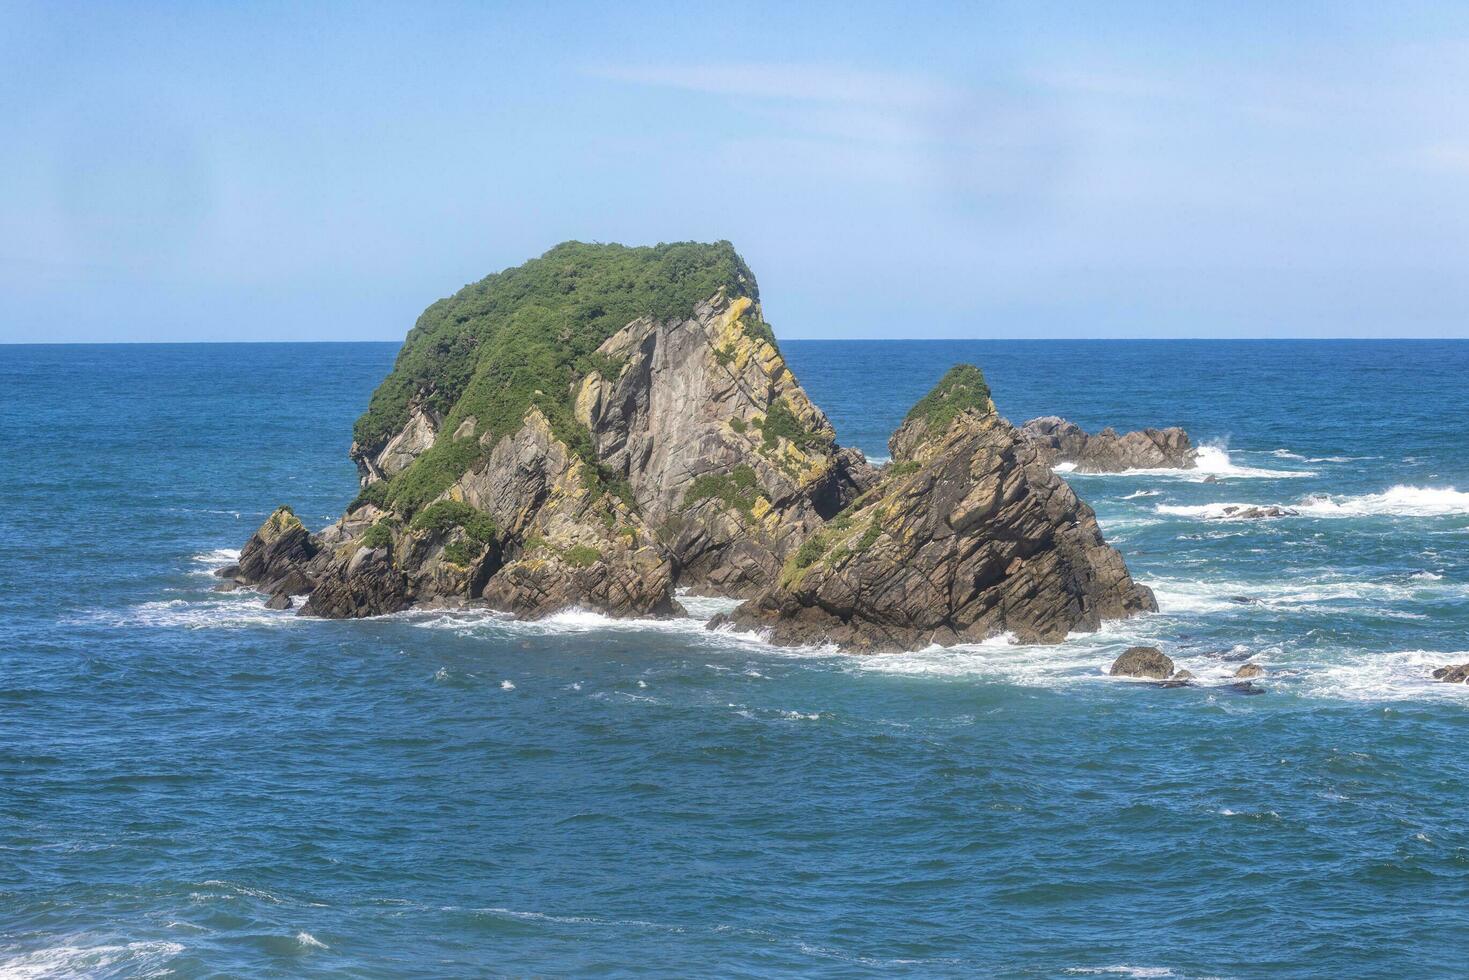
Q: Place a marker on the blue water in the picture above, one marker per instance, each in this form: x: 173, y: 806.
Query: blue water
x: 191, y: 784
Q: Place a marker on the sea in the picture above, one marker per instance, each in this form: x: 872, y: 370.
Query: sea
x: 193, y: 785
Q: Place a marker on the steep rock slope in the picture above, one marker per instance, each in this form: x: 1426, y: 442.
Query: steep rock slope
x: 967, y: 535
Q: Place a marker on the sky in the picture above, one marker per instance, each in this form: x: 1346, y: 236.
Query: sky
x: 202, y: 171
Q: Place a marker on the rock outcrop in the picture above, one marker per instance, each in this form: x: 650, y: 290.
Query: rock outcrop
x: 1058, y: 441
x: 1143, y: 662
x: 498, y: 467
x: 966, y: 536
x: 604, y: 425
x: 1452, y: 674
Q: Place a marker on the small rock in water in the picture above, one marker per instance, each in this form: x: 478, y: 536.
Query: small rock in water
x: 1246, y: 687
x: 1250, y: 670
x: 279, y: 601
x: 1452, y: 674
x: 1179, y: 679
x: 1244, y: 600
x: 1210, y: 479
x: 1143, y: 662
x: 1237, y: 513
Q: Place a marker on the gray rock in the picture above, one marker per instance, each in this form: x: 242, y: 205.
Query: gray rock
x: 967, y: 535
x: 279, y: 601
x: 1143, y: 662
x: 1452, y: 674
x: 1250, y: 670
x: 1060, y: 441
x: 1235, y: 512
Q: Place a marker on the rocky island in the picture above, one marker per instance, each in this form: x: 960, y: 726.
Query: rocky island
x: 605, y: 425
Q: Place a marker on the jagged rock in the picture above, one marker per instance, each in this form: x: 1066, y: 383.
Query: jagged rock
x: 279, y: 601
x: 967, y: 535
x: 577, y: 544
x: 279, y: 552
x: 1183, y: 675
x: 410, y: 442
x: 603, y: 424
x: 1060, y: 441
x: 1250, y: 670
x: 1143, y: 662
x: 1245, y: 687
x: 1452, y: 674
x: 366, y: 585
x: 698, y: 406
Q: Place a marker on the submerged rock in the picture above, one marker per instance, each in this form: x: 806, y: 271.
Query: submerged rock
x: 1143, y: 662
x: 967, y: 535
x: 1059, y: 441
x: 1237, y: 512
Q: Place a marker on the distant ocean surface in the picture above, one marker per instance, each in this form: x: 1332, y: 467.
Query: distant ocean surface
x: 191, y: 784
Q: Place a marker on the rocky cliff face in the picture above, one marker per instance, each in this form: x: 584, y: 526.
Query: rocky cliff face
x: 1058, y: 441
x: 967, y: 535
x: 603, y: 425
x: 681, y: 449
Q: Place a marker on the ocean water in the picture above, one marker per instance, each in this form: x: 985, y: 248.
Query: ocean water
x: 193, y: 785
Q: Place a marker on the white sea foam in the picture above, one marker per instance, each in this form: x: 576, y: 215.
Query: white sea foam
x: 1395, y: 676
x: 146, y: 959
x: 1124, y: 970
x: 1221, y: 511
x: 228, y: 610
x: 507, y: 685
x: 1214, y: 461
x: 307, y: 941
x: 218, y: 558
x: 1397, y: 501
x: 1139, y: 494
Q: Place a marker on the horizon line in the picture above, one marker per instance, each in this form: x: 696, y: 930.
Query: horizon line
x: 824, y: 340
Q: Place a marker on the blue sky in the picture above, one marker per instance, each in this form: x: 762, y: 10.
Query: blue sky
x: 276, y: 172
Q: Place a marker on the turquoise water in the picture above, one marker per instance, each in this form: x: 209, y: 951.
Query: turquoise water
x: 191, y: 784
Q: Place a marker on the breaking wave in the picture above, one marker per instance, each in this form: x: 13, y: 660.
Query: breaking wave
x: 1398, y: 501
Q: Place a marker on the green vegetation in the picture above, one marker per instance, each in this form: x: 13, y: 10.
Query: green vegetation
x: 522, y: 337
x: 463, y: 553
x: 963, y: 387
x: 430, y: 475
x: 869, y: 536
x: 608, y: 367
x: 724, y: 356
x: 906, y: 468
x: 737, y: 488
x: 581, y: 556
x: 759, y: 330
x: 810, y: 551
x: 446, y: 514
x: 781, y: 423
x: 380, y: 535
x: 738, y: 425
